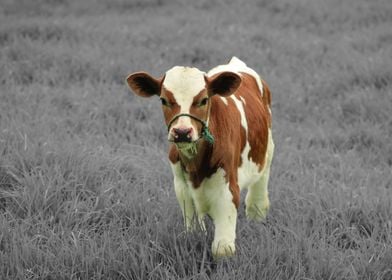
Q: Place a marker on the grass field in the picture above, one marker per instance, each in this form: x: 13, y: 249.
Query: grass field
x: 86, y: 189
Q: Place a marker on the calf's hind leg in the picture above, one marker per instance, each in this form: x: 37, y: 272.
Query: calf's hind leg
x: 257, y: 201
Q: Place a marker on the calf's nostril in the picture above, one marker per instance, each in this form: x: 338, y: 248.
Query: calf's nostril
x: 182, y: 134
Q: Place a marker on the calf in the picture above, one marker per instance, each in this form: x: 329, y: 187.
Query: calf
x: 219, y: 127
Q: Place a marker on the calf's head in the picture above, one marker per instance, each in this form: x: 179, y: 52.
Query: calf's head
x: 185, y: 95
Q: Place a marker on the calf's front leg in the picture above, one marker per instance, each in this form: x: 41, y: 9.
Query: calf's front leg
x: 185, y: 200
x: 186, y: 204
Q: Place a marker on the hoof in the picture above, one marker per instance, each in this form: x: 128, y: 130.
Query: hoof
x: 257, y: 214
x: 222, y: 249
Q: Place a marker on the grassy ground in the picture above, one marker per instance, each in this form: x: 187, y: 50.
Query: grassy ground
x: 85, y: 187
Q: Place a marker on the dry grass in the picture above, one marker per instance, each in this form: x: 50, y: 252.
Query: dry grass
x: 85, y: 188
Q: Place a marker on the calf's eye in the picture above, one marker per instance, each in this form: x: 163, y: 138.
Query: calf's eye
x: 164, y: 102
x: 203, y: 102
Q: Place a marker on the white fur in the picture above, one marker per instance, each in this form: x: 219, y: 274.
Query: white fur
x: 185, y: 83
x: 240, y: 108
x: 236, y: 65
x: 216, y: 194
x: 224, y: 100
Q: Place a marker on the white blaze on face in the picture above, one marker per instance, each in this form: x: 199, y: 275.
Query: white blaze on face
x: 184, y: 83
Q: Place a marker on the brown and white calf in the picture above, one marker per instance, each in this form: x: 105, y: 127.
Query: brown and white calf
x: 232, y: 104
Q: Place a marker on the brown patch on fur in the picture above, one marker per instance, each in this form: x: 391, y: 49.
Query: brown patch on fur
x: 173, y: 109
x: 200, y: 112
x: 258, y: 118
x: 230, y: 139
x: 266, y: 94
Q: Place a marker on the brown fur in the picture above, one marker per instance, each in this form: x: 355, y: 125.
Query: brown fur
x: 173, y: 109
x: 230, y: 138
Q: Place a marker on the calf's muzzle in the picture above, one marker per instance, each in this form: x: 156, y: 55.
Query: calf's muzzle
x: 182, y: 135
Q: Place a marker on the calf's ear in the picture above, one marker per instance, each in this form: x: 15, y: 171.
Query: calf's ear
x: 143, y: 84
x: 223, y: 84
